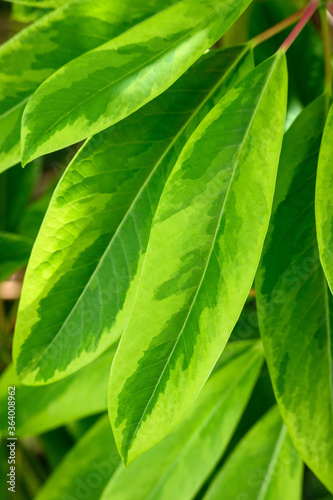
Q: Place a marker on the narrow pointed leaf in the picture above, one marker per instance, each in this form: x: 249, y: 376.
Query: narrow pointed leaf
x: 86, y: 468
x: 324, y: 206
x: 44, y: 408
x: 42, y: 4
x: 37, y: 51
x: 202, y: 255
x: 264, y: 466
x: 294, y: 302
x: 109, y: 83
x: 217, y: 411
x: 97, y: 227
x: 178, y: 466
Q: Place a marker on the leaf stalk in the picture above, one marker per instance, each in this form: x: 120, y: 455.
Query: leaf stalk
x: 308, y: 13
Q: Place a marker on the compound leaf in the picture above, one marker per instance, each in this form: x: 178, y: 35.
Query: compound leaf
x: 201, y: 259
x: 107, y: 84
x: 294, y: 302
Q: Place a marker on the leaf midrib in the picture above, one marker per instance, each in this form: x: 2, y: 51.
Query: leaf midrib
x: 139, y: 193
x: 210, y: 253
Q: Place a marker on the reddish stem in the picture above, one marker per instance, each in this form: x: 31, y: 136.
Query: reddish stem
x: 265, y: 35
x: 308, y: 13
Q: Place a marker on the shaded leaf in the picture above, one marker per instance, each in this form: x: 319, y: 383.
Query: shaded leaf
x: 45, y: 408
x: 294, y: 303
x: 178, y: 465
x: 202, y: 255
x: 324, y: 207
x: 109, y: 83
x: 86, y: 468
x: 264, y: 466
x: 97, y: 227
x: 37, y: 51
x: 14, y: 253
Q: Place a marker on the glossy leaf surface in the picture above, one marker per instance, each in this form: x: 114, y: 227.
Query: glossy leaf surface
x: 111, y: 82
x: 294, y: 302
x: 97, y: 227
x: 264, y: 466
x: 179, y: 465
x: 44, y: 408
x: 202, y: 255
x: 36, y: 52
x: 324, y: 206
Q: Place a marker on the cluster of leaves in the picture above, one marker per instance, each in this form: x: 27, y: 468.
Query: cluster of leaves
x: 197, y: 208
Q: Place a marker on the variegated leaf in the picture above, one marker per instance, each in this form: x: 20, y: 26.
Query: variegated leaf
x: 36, y: 52
x: 201, y: 259
x: 109, y: 83
x: 83, y: 273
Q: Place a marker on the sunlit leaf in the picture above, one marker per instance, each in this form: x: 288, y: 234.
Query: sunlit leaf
x: 202, y: 255
x: 107, y: 84
x: 97, y: 227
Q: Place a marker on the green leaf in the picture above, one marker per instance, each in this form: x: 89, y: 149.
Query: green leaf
x: 179, y: 465
x: 39, y: 50
x: 41, y: 409
x: 201, y: 259
x: 294, y: 303
x: 323, y: 205
x: 26, y: 13
x: 97, y: 227
x: 86, y: 468
x: 109, y: 83
x: 15, y: 252
x: 264, y: 466
x: 42, y: 4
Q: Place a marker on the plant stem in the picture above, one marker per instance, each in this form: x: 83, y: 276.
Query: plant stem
x: 308, y: 13
x: 266, y: 35
x: 325, y: 27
